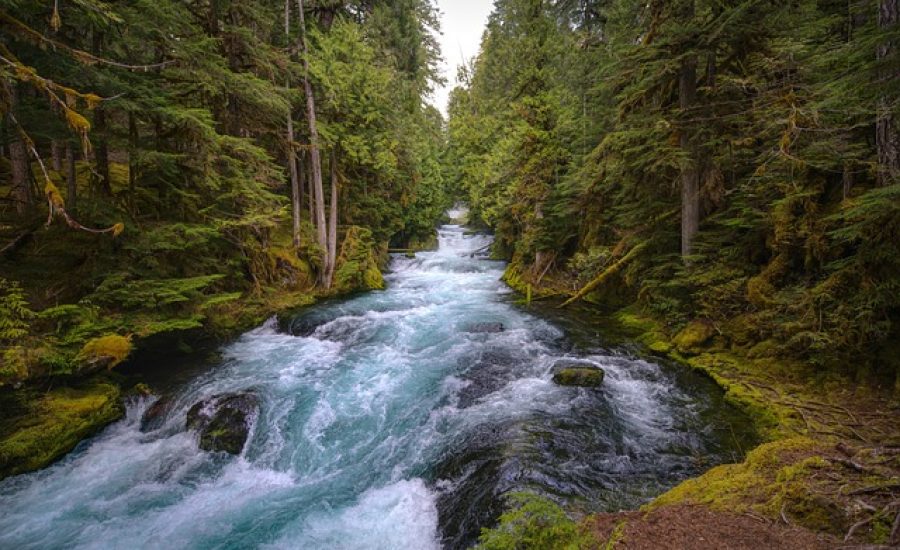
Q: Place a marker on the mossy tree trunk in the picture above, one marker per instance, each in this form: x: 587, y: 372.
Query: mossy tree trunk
x: 314, y: 154
x: 332, y: 223
x: 291, y: 154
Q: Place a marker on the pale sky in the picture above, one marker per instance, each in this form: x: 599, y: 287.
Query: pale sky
x: 462, y: 22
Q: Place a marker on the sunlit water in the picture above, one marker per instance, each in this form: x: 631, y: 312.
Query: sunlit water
x: 391, y: 425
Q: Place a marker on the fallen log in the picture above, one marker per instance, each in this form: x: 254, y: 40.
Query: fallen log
x: 606, y: 274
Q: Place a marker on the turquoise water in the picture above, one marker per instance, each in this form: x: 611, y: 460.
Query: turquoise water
x: 389, y: 424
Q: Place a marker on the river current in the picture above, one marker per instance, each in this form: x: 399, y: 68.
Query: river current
x: 392, y: 420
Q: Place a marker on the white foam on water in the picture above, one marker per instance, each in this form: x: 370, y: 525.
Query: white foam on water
x: 400, y: 515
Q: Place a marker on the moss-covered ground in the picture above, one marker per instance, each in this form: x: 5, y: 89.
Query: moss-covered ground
x: 50, y: 424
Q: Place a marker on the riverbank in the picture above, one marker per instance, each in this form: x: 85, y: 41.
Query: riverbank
x: 44, y: 420
x: 827, y: 474
x: 47, y: 415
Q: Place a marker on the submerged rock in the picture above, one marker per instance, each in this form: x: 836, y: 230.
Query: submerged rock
x: 488, y: 327
x: 224, y: 421
x: 153, y: 417
x: 305, y: 325
x: 577, y: 373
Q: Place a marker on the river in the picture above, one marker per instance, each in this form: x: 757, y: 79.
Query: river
x: 396, y: 422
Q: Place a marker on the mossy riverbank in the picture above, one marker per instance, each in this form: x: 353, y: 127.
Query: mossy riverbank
x: 45, y: 417
x: 828, y: 470
x: 48, y: 425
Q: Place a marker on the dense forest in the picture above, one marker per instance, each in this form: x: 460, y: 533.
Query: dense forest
x: 715, y: 183
x: 168, y: 165
x: 730, y: 162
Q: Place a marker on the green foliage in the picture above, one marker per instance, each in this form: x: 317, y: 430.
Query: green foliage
x: 357, y: 264
x: 58, y: 421
x: 15, y: 316
x: 194, y: 145
x: 534, y: 523
x: 14, y: 312
x: 125, y: 293
x: 568, y: 137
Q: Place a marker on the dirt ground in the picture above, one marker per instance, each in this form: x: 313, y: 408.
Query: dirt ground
x: 699, y: 528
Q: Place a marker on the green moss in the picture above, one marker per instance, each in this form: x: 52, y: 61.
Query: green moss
x: 578, y: 376
x: 753, y: 483
x: 645, y: 329
x: 815, y: 512
x: 56, y: 423
x: 518, y: 281
x: 734, y: 374
x: 512, y: 276
x: 692, y: 337
x: 534, y: 523
x: 618, y: 533
x: 109, y: 350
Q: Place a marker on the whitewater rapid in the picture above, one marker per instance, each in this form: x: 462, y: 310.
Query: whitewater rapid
x: 394, y: 423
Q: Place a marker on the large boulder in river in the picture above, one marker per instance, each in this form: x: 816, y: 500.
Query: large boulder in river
x: 224, y: 421
x: 577, y: 373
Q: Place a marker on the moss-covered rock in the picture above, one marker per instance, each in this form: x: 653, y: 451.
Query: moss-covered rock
x: 692, y: 337
x: 55, y: 423
x: 104, y: 352
x: 577, y: 373
x: 224, y: 421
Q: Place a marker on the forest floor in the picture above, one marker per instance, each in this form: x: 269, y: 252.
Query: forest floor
x: 827, y: 474
x: 697, y: 527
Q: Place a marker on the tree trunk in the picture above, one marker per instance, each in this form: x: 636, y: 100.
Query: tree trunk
x: 18, y: 158
x: 71, y: 182
x: 101, y: 147
x: 847, y: 180
x: 133, y: 138
x: 301, y: 184
x: 314, y: 156
x: 690, y: 175
x: 160, y: 181
x: 332, y: 223
x: 887, y: 136
x: 291, y: 154
x: 295, y: 182
x: 310, y: 196
x: 101, y: 151
x: 56, y: 154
